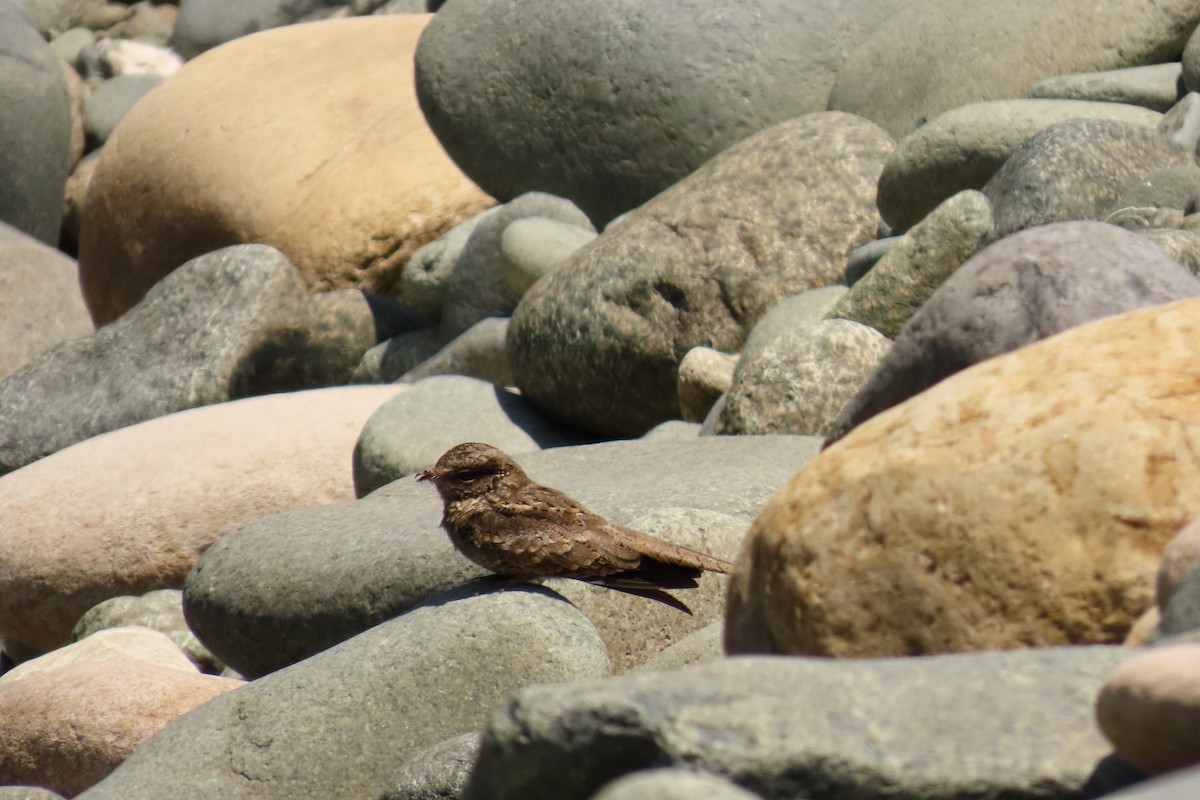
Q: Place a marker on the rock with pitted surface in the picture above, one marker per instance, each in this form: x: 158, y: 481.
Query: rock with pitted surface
x: 598, y: 343
x: 1013, y: 293
x: 988, y: 512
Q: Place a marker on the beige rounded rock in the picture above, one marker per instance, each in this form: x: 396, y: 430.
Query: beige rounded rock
x: 129, y: 511
x: 1149, y: 709
x: 1021, y: 502
x: 1143, y: 627
x: 1179, y: 554
x: 306, y: 137
x: 115, y: 645
x: 68, y: 729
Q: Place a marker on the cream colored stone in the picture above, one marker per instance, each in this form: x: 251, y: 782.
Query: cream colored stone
x: 1149, y: 709
x: 307, y: 137
x: 67, y: 729
x: 129, y: 511
x: 1021, y: 502
x: 1179, y: 554
x: 1142, y: 629
x: 119, y: 645
x: 704, y: 374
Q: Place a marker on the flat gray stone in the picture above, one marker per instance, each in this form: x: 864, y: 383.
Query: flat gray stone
x: 1155, y: 87
x: 109, y: 102
x: 819, y: 729
x: 597, y: 343
x: 1015, y: 292
x: 337, y: 724
x: 478, y: 352
x: 534, y: 247
x: 1075, y: 169
x: 284, y: 587
x: 963, y: 148
x: 438, y: 773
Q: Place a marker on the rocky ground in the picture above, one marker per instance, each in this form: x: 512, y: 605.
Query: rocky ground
x: 894, y: 303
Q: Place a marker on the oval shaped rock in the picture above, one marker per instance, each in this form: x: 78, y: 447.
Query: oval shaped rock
x: 597, y: 343
x: 1021, y: 502
x: 307, y: 138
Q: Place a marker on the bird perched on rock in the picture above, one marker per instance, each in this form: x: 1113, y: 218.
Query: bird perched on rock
x: 500, y: 519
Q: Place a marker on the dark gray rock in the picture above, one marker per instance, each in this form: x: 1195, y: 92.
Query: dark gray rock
x: 285, y: 587
x: 476, y: 287
x: 337, y: 724
x: 801, y: 382
x: 35, y: 129
x: 1156, y: 87
x: 1021, y: 289
x: 1075, y: 169
x: 941, y: 54
x: 204, y: 24
x: 597, y: 343
x: 820, y: 729
x: 1182, y: 612
x: 964, y: 147
x: 109, y: 102
x: 864, y: 258
x: 387, y: 361
x: 673, y: 784
x: 438, y: 773
x: 1182, y: 785
x: 40, y: 302
x: 160, y: 610
x: 423, y: 277
x: 411, y: 431
x: 610, y: 103
x: 478, y: 352
x: 233, y: 323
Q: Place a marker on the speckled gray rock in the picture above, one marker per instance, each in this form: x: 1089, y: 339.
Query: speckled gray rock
x: 411, y: 431
x: 964, y: 147
x: 35, y: 128
x: 1182, y: 785
x: 40, y: 303
x: 772, y: 216
x: 28, y: 793
x: 673, y: 784
x: 705, y: 644
x: 437, y: 773
x: 108, y: 103
x: 337, y: 724
x: 818, y: 728
x: 423, y: 278
x: 536, y: 246
x: 1156, y: 87
x: 1021, y: 289
x: 944, y: 53
x: 789, y: 316
x: 1181, y: 245
x: 160, y: 610
x: 916, y: 265
x: 704, y: 375
x: 608, y: 104
x: 801, y: 382
x: 634, y: 628
x: 478, y: 352
x: 285, y: 587
x: 476, y: 286
x: 1172, y: 187
x: 387, y: 361
x: 1075, y: 170
x: 204, y: 24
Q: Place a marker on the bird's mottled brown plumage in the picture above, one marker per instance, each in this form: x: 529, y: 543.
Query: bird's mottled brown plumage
x: 514, y: 527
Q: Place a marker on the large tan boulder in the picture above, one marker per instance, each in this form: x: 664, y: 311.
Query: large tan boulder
x: 69, y: 728
x: 1021, y: 502
x: 307, y: 138
x: 129, y: 511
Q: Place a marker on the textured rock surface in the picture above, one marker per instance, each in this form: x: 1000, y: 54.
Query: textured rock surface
x: 1015, y: 292
x: 673, y: 784
x: 608, y: 104
x: 340, y: 173
x: 790, y: 315
x: 339, y: 723
x: 945, y: 53
x: 816, y: 728
x: 1149, y: 709
x: 963, y: 147
x: 704, y: 375
x: 288, y: 586
x: 438, y: 773
x: 597, y: 343
x: 160, y: 610
x: 129, y: 511
x: 988, y: 512
x: 697, y: 647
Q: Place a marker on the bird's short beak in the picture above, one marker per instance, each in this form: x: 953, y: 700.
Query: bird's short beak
x: 425, y: 475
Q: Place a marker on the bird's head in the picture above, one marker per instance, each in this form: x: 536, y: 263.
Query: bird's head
x: 472, y: 469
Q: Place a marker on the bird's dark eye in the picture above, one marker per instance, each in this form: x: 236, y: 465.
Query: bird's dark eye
x: 470, y: 474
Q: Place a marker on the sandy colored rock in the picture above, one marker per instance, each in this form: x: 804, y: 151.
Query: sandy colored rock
x: 115, y: 645
x: 1177, y: 557
x: 67, y: 729
x: 1021, y: 502
x: 129, y: 511
x: 323, y: 154
x: 1149, y: 709
x: 1144, y: 628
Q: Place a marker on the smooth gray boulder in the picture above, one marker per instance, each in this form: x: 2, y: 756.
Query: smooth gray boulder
x: 597, y: 344
x: 108, y: 103
x: 1017, y: 291
x: 204, y: 24
x: 337, y: 724
x: 789, y: 316
x: 820, y: 729
x: 1156, y: 87
x: 673, y: 784
x: 608, y: 104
